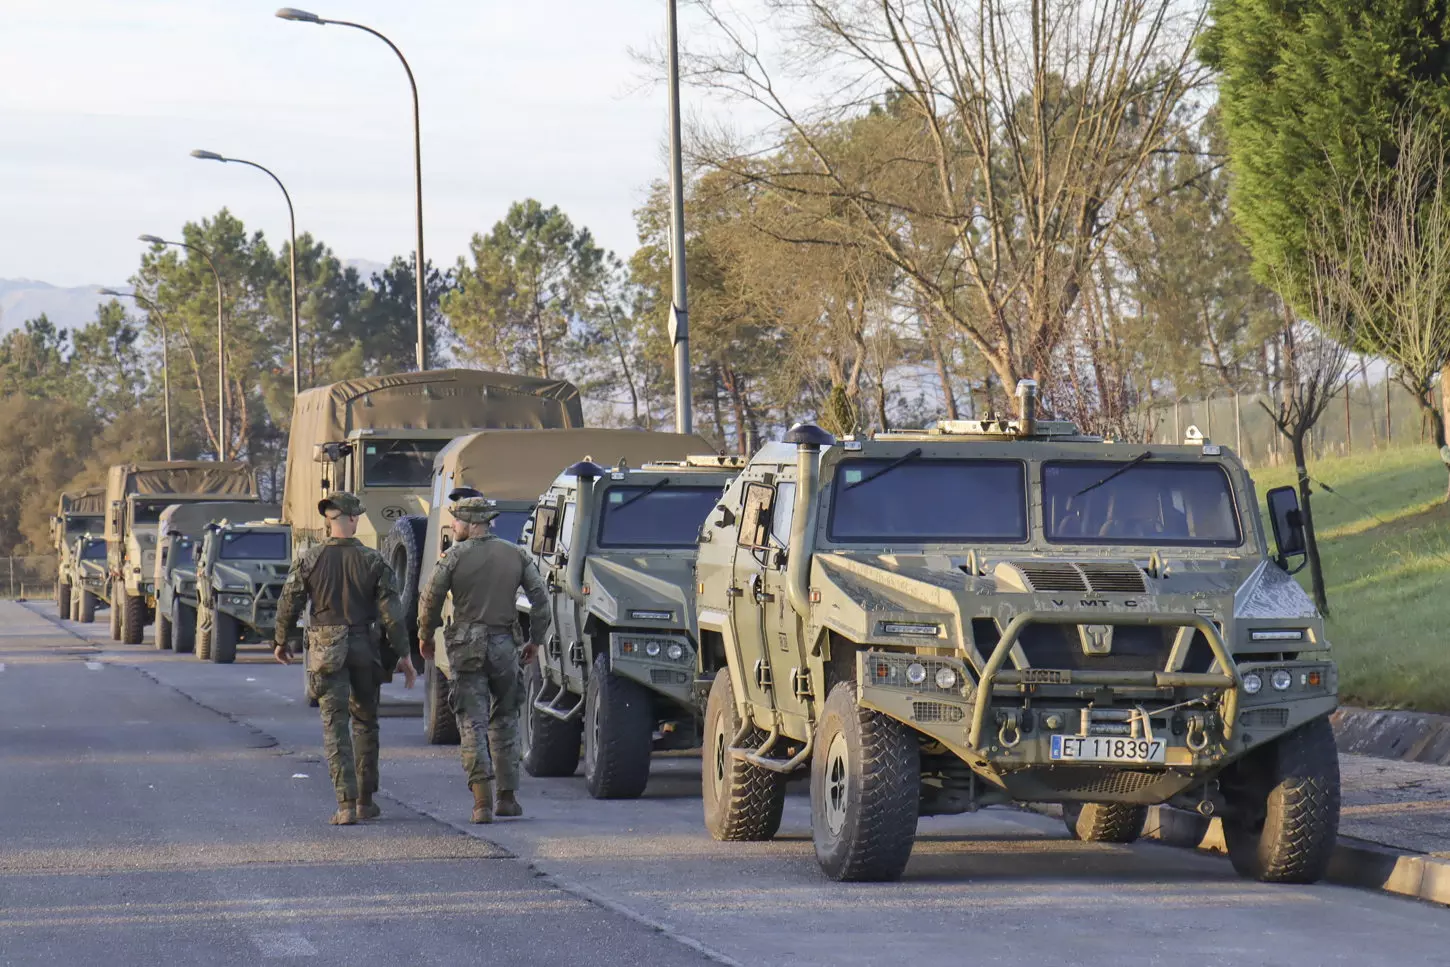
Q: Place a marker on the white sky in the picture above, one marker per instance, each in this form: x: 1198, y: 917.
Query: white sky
x: 102, y: 100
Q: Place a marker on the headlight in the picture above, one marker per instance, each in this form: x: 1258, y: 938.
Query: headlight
x: 1252, y: 683
x: 652, y: 649
x: 946, y: 678
x: 675, y: 652
x: 1281, y: 680
x: 1277, y: 634
x: 913, y: 628
x: 916, y: 673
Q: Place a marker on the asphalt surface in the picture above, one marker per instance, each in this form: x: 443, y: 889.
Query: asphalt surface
x: 157, y: 809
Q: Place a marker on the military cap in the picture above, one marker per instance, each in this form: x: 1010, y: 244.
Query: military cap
x: 342, y: 502
x: 475, y: 510
x: 458, y: 493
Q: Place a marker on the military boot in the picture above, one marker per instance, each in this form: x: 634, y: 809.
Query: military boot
x: 508, y: 804
x: 366, y: 808
x: 482, y: 802
x: 346, y: 814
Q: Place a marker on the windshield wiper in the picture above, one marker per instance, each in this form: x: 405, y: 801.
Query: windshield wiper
x: 906, y: 457
x: 645, y: 492
x: 1145, y: 455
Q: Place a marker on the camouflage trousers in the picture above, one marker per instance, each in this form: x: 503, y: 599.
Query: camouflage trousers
x: 345, y: 674
x: 483, y: 666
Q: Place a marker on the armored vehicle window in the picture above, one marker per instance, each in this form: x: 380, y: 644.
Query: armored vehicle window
x: 510, y: 525
x: 782, y: 513
x: 929, y: 501
x: 254, y: 546
x: 668, y: 517
x: 400, y: 463
x: 1152, y: 503
x: 94, y: 551
x: 183, y: 554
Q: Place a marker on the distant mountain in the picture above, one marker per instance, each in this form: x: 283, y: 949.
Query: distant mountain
x: 68, y: 308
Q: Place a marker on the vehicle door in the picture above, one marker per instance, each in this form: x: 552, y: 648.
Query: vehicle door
x: 755, y: 590
x: 786, y: 649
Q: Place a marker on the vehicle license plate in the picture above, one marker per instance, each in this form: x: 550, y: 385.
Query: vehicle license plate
x: 1106, y: 748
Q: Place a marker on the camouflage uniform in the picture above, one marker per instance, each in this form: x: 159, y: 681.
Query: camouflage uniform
x: 350, y: 588
x: 484, y: 575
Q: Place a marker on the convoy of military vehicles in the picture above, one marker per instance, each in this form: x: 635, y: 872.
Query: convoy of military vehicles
x: 924, y: 622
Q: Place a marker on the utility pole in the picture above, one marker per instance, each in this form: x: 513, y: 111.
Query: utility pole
x: 679, y: 304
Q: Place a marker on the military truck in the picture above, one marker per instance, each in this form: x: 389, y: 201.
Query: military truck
x: 240, y: 570
x: 136, y: 494
x: 999, y: 611
x: 179, y: 534
x: 78, y: 513
x: 87, y: 578
x: 617, y: 547
x: 511, y: 467
x: 378, y: 437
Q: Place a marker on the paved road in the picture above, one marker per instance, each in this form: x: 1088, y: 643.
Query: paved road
x: 192, y: 813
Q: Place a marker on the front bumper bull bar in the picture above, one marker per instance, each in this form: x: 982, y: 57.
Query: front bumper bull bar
x: 993, y: 674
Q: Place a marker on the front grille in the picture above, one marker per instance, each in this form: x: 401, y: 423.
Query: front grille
x: 1114, y: 577
x: 1051, y: 575
x: 1094, y: 782
x: 935, y: 712
x: 1134, y: 648
x: 1265, y: 718
x: 667, y: 676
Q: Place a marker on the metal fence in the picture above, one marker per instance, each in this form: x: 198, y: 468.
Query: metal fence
x: 1367, y: 417
x: 28, y: 577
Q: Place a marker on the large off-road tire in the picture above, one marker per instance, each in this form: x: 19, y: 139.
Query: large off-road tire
x: 203, y: 637
x: 1104, y: 822
x: 133, y: 619
x: 743, y: 802
x: 225, y: 633
x: 74, y: 613
x: 865, y: 791
x: 183, y: 627
x: 551, y: 747
x: 440, y: 727
x: 403, y: 550
x: 619, y: 726
x: 115, y: 608
x: 163, y: 631
x: 62, y: 599
x: 1283, y: 815
x: 87, y: 615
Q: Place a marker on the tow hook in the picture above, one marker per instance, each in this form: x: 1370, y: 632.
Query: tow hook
x: 1010, y: 734
x: 1197, y: 739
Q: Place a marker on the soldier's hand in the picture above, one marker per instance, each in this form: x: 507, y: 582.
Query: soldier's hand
x: 280, y: 653
x: 526, y: 657
x: 405, y: 665
x: 425, y: 647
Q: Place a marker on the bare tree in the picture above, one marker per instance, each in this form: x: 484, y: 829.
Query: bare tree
x: 1397, y: 237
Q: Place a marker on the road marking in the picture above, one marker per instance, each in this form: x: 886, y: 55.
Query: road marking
x: 283, y: 945
x: 94, y: 666
x: 2, y: 666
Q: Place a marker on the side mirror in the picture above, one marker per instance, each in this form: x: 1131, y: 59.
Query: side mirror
x: 755, y: 516
x: 1287, y: 521
x: 546, y: 530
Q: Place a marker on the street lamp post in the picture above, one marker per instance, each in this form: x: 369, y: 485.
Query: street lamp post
x: 291, y: 251
x: 420, y: 284
x: 679, y: 304
x: 221, y: 359
x: 165, y: 357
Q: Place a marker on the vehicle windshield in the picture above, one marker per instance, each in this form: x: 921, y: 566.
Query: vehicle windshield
x: 929, y: 501
x: 668, y: 517
x: 76, y: 526
x: 93, y: 551
x: 1159, y: 503
x: 510, y: 525
x: 399, y: 463
x: 148, y: 511
x: 183, y: 553
x: 255, y: 546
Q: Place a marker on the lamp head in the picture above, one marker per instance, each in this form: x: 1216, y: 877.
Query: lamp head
x: 301, y: 16
x: 152, y: 240
x: 207, y: 155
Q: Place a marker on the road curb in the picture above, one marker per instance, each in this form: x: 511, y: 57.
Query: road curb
x: 1355, y: 863
x: 1393, y: 734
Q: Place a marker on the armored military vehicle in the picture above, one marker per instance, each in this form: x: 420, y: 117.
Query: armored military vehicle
x: 136, y: 494
x: 511, y: 467
x: 179, y: 534
x: 240, y: 570
x: 378, y: 437
x: 79, y: 513
x: 88, y: 578
x: 617, y: 547
x: 1008, y: 611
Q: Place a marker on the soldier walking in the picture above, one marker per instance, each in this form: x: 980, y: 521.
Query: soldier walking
x: 483, y: 573
x: 350, y: 588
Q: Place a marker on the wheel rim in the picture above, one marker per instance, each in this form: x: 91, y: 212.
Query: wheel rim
x: 531, y: 695
x: 591, y: 747
x: 838, y: 771
x: 721, y: 752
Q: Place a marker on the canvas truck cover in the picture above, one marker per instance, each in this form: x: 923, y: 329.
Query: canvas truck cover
x: 83, y: 503
x: 520, y: 465
x: 445, y: 399
x: 184, y: 478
